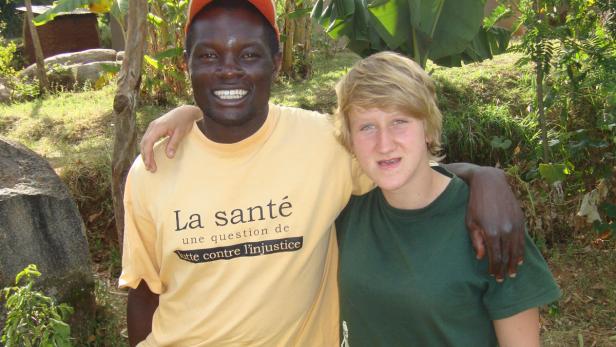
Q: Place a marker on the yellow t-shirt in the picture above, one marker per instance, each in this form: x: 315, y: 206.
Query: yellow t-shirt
x: 238, y: 239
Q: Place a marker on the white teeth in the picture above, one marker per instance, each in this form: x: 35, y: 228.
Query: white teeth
x: 390, y: 161
x: 231, y: 94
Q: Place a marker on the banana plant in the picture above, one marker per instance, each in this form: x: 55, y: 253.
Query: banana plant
x: 117, y: 8
x: 445, y: 31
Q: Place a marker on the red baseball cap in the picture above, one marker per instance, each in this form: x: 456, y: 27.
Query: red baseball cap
x: 266, y: 7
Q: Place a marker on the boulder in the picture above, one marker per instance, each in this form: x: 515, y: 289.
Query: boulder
x: 66, y: 59
x: 78, y: 75
x: 40, y: 224
x: 81, y: 74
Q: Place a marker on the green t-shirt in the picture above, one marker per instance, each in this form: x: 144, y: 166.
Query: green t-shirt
x: 410, y: 277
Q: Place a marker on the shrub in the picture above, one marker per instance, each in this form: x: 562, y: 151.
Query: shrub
x: 9, y: 57
x: 34, y: 319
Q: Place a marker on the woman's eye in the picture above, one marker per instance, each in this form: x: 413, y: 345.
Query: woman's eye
x: 366, y: 127
x: 400, y: 121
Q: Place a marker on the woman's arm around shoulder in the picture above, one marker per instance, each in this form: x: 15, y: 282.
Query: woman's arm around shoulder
x: 176, y: 124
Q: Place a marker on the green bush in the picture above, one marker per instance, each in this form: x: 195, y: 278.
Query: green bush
x: 9, y: 57
x: 164, y: 79
x: 34, y: 319
x: 7, y: 51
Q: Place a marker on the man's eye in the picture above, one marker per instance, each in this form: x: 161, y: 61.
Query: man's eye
x: 207, y: 55
x: 400, y: 121
x: 250, y: 55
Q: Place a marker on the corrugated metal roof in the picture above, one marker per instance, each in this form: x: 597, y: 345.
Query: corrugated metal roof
x: 39, y: 9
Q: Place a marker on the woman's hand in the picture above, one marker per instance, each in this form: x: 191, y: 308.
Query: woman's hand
x: 176, y: 124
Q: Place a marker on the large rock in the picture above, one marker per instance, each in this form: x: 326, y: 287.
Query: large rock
x: 81, y: 74
x: 66, y: 59
x: 40, y: 224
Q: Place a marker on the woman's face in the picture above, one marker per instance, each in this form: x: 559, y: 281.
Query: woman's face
x: 390, y: 146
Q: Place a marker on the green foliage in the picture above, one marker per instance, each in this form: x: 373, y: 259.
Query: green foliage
x: 8, y: 16
x: 7, y: 52
x: 63, y: 6
x: 553, y: 173
x: 20, y: 88
x: 607, y: 226
x: 536, y: 42
x: 164, y: 78
x: 572, y: 45
x: 104, y: 31
x: 484, y: 108
x: 445, y: 31
x: 34, y: 319
x: 315, y: 93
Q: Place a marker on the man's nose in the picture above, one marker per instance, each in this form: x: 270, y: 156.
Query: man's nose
x: 230, y: 67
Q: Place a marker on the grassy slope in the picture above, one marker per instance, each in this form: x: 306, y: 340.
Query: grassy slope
x: 74, y: 132
x: 67, y: 126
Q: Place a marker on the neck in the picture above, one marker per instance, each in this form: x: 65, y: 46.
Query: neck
x: 231, y: 133
x: 423, y: 187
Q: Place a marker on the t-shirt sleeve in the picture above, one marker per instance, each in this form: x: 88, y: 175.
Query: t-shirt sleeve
x: 139, y: 259
x: 361, y: 182
x: 533, y: 286
x: 342, y: 220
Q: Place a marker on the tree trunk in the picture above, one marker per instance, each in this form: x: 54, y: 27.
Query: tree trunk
x: 289, y: 32
x: 124, y: 104
x: 539, y: 74
x: 541, y: 113
x: 38, y: 50
x: 298, y: 34
x: 307, y: 56
x: 302, y: 42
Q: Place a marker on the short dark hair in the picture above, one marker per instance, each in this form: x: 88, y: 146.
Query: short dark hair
x: 270, y: 33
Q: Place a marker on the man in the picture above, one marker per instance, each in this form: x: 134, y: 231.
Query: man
x: 232, y: 242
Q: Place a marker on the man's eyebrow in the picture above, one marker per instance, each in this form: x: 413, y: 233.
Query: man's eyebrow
x: 210, y: 43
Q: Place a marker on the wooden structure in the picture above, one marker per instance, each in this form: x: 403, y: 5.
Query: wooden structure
x: 68, y: 32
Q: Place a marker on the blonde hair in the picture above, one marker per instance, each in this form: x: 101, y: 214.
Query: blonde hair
x: 389, y: 82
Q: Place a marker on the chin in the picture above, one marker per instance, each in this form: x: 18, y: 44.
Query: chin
x: 389, y: 185
x: 228, y: 117
x: 231, y: 121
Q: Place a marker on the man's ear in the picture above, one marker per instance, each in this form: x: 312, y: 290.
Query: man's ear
x: 186, y: 62
x: 277, y: 63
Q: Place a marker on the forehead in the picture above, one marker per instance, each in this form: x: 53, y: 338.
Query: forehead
x: 221, y: 25
x: 376, y: 112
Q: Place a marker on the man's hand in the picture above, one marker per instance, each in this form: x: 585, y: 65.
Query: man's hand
x: 176, y: 124
x: 139, y: 312
x: 494, y: 218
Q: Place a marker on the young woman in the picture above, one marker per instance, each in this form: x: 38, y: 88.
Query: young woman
x: 407, y: 275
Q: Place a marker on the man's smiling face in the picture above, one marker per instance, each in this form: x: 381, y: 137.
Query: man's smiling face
x: 231, y: 68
